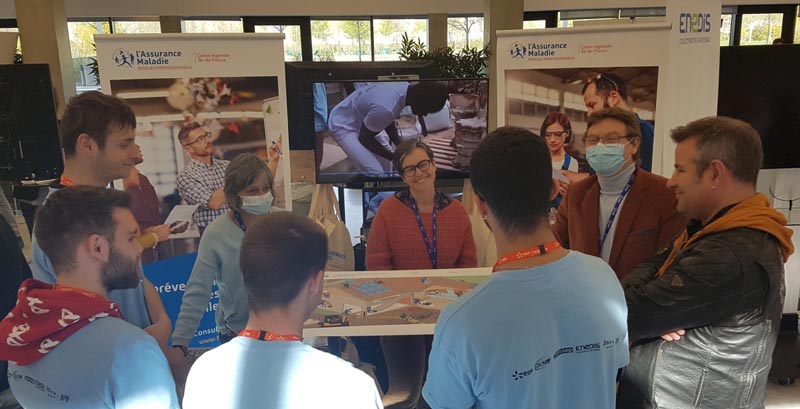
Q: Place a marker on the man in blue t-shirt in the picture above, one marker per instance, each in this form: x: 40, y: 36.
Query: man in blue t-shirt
x: 548, y: 328
x: 67, y: 344
x: 605, y: 90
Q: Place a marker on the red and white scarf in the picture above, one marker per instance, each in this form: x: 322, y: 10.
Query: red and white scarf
x: 46, y: 315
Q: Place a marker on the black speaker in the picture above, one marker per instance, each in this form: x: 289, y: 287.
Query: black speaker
x: 29, y: 146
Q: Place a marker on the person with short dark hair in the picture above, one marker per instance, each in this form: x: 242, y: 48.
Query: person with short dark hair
x: 202, y: 179
x: 357, y: 120
x: 248, y: 193
x: 547, y: 329
x: 67, y: 343
x: 622, y: 214
x: 704, y: 313
x: 268, y: 366
x: 606, y: 90
x: 417, y: 228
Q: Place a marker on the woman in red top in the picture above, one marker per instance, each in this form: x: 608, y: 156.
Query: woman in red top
x: 417, y: 228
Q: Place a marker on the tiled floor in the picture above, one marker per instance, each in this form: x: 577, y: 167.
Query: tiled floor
x: 783, y: 396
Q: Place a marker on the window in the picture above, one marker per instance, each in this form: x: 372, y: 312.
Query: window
x: 389, y: 33
x: 341, y: 40
x: 725, y: 30
x: 760, y: 28
x: 465, y: 32
x: 13, y: 30
x: 797, y: 30
x: 534, y: 24
x: 213, y: 26
x: 292, y: 45
x: 84, y: 52
x: 137, y: 27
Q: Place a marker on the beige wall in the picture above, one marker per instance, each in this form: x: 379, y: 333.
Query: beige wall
x: 118, y: 8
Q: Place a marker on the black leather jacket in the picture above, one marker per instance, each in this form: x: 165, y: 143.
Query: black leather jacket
x: 726, y: 290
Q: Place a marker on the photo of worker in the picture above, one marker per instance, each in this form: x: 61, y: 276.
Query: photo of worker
x: 562, y: 99
x: 190, y: 128
x: 367, y: 120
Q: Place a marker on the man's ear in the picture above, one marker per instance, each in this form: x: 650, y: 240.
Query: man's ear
x: 97, y: 247
x: 718, y: 170
x: 315, y: 282
x: 614, y: 99
x: 482, y: 207
x: 86, y: 143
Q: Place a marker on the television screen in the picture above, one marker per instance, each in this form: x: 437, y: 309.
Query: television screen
x: 29, y: 146
x: 301, y: 75
x: 761, y: 86
x: 365, y: 121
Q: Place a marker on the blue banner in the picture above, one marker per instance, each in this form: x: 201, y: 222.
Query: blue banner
x: 170, y: 277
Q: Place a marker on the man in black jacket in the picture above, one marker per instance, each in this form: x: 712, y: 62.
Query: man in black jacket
x: 703, y: 314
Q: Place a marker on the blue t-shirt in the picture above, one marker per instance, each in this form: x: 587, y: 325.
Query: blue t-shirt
x: 547, y: 337
x: 248, y: 373
x: 109, y: 363
x: 646, y: 148
x: 131, y: 301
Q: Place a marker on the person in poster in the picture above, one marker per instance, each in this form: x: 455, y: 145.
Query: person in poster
x: 605, y: 90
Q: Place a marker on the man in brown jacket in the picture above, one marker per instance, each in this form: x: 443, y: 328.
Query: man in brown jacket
x: 623, y: 214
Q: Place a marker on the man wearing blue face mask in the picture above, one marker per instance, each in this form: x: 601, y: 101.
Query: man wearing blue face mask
x: 248, y: 194
x: 623, y: 214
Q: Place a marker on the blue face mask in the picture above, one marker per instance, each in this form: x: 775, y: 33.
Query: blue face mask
x: 606, y: 160
x: 257, y: 205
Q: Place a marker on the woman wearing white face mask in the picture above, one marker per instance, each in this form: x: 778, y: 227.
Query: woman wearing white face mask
x: 623, y: 214
x: 248, y: 193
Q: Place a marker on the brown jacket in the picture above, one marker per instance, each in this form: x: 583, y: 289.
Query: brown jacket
x: 648, y: 221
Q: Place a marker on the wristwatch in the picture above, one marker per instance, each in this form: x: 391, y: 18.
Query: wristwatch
x: 183, y: 348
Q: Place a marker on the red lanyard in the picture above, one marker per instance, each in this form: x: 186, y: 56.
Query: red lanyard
x: 79, y: 291
x: 528, y: 253
x: 268, y: 336
x: 67, y: 182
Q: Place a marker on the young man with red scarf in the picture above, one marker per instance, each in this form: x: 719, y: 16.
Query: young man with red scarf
x: 67, y: 344
x: 704, y: 313
x: 268, y: 366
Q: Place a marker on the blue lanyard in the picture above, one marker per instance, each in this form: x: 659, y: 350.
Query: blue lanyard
x: 615, y: 210
x: 239, y: 220
x: 432, y: 251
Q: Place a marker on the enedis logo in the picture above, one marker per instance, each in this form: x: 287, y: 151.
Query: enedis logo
x: 517, y: 50
x: 694, y: 23
x: 127, y: 58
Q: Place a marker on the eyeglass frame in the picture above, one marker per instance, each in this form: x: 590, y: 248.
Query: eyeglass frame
x: 629, y: 137
x: 207, y: 135
x: 561, y: 134
x: 413, y: 168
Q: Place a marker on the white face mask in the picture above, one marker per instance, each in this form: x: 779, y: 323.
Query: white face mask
x: 257, y: 205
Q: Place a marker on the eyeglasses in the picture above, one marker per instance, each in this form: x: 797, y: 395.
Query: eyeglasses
x: 612, y: 139
x: 423, y: 165
x: 557, y: 134
x: 599, y: 76
x: 202, y: 138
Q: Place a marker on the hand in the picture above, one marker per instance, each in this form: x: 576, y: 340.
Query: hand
x: 674, y: 335
x: 162, y: 231
x: 275, y: 149
x: 562, y: 188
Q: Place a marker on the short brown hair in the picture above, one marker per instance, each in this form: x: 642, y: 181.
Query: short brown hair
x: 731, y: 141
x: 95, y: 114
x: 405, y: 148
x: 279, y: 253
x: 624, y: 116
x: 187, y: 128
x: 72, y: 214
x: 241, y: 173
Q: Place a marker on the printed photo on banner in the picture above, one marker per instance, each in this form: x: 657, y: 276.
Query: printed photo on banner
x: 555, y: 103
x: 188, y: 130
x: 359, y: 124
